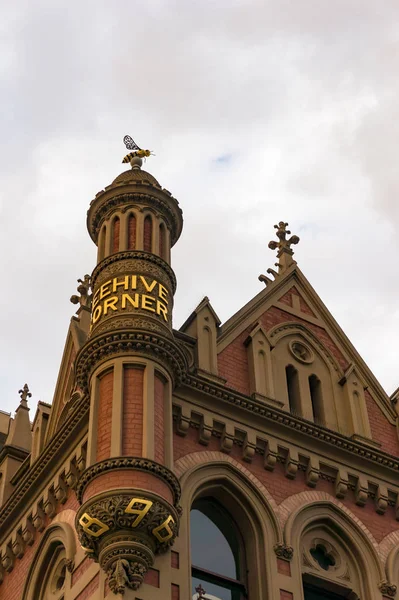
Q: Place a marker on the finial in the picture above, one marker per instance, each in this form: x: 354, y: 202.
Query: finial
x: 135, y: 158
x: 84, y: 290
x: 201, y: 592
x: 25, y: 394
x: 284, y: 254
x: 283, y: 244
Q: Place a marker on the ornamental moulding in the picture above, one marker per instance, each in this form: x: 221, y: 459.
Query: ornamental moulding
x: 97, y: 214
x: 134, y: 255
x: 283, y: 551
x: 123, y: 531
x: 164, y: 350
x: 131, y: 463
x: 285, y: 419
x: 57, y: 446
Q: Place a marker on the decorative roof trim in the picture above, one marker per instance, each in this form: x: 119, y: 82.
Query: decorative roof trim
x: 377, y: 457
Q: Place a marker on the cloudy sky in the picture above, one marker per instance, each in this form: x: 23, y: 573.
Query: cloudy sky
x: 257, y: 110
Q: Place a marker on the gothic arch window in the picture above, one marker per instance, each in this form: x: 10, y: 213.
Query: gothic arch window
x: 337, y: 558
x: 216, y: 552
x: 307, y: 377
x: 131, y: 232
x: 49, y: 576
x: 328, y: 568
x: 316, y: 397
x: 293, y: 389
x: 116, y: 227
x: 147, y: 242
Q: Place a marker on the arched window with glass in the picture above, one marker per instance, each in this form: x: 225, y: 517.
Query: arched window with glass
x: 216, y: 553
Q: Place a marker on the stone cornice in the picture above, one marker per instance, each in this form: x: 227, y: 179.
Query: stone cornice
x: 134, y: 255
x: 293, y: 422
x: 112, y: 199
x: 131, y: 463
x: 164, y: 349
x: 53, y: 452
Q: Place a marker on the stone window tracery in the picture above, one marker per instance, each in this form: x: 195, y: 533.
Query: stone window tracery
x: 301, y: 351
x: 326, y: 568
x: 52, y: 585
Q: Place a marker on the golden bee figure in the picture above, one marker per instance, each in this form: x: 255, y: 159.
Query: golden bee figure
x: 137, y: 151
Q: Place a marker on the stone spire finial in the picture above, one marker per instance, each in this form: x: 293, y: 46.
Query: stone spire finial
x: 20, y: 433
x: 84, y: 290
x: 25, y: 394
x: 285, y: 251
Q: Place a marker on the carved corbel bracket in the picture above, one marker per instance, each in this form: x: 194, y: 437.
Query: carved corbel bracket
x: 123, y: 531
x: 387, y: 589
x: 283, y: 551
x: 341, y: 484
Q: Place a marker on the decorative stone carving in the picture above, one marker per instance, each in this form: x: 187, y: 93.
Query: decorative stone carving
x: 135, y: 261
x: 301, y: 351
x: 123, y: 531
x: 131, y: 463
x: 164, y: 349
x: 84, y: 298
x: 283, y: 551
x: 387, y: 589
x: 168, y: 207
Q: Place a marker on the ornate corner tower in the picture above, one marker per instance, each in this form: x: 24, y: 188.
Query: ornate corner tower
x: 129, y: 365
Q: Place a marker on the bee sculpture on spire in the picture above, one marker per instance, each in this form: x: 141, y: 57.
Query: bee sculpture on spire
x: 137, y: 151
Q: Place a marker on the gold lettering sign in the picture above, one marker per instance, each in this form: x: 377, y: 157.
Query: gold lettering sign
x: 135, y: 292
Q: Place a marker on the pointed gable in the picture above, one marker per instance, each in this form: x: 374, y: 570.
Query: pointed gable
x: 76, y: 337
x: 293, y: 318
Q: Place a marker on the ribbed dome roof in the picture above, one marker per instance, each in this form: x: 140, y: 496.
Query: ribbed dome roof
x: 135, y: 175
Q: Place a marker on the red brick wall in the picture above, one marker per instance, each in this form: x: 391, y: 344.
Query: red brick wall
x: 305, y: 308
x: 174, y: 560
x: 287, y: 298
x: 381, y: 429
x: 13, y: 584
x: 132, y: 440
x: 77, y: 574
x: 105, y: 416
x: 152, y: 577
x: 284, y: 595
x: 127, y: 479
x: 131, y: 233
x: 274, y: 316
x: 233, y: 364
x: 115, y: 235
x: 281, y: 488
x: 148, y: 234
x: 175, y: 592
x: 283, y: 567
x: 89, y: 589
x: 159, y: 418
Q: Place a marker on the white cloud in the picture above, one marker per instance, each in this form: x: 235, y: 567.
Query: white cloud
x: 300, y: 95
